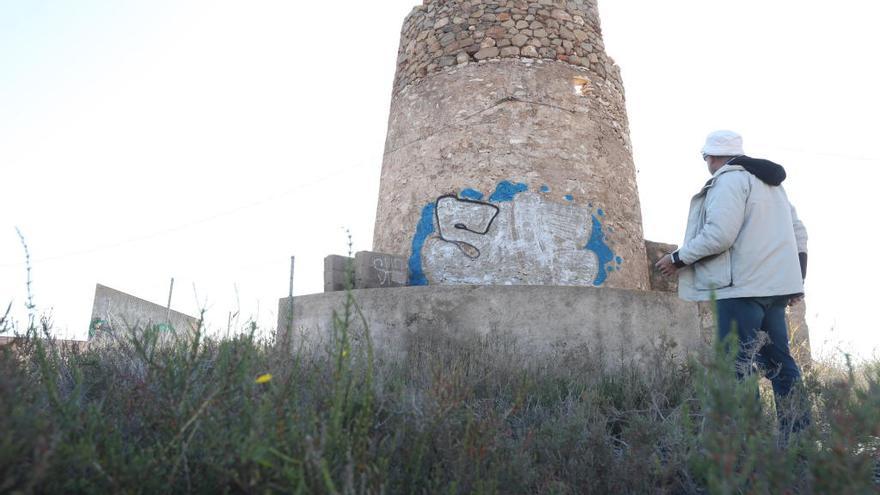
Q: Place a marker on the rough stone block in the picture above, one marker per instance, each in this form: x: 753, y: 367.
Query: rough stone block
x: 336, y: 272
x: 799, y: 334
x: 510, y: 51
x: 660, y: 282
x: 379, y: 270
x: 489, y: 52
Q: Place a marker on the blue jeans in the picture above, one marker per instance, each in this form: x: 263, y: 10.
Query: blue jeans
x: 749, y: 315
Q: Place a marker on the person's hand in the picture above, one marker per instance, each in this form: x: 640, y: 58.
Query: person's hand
x: 667, y: 266
x: 796, y: 299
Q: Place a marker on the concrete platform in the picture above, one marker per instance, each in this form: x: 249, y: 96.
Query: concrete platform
x: 538, y: 319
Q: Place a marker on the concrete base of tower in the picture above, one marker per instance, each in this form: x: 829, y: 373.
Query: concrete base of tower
x: 536, y: 320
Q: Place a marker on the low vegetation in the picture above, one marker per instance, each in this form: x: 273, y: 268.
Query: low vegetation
x: 139, y: 412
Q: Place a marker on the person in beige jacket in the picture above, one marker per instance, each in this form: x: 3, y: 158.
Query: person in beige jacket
x: 745, y: 246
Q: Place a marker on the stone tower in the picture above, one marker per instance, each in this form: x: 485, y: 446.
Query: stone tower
x: 508, y: 159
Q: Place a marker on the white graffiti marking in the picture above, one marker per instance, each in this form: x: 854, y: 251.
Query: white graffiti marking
x: 529, y: 240
x: 390, y: 270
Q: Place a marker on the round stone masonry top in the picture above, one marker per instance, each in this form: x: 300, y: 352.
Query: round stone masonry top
x: 444, y: 33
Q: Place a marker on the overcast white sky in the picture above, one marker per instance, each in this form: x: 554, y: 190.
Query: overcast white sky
x: 210, y: 140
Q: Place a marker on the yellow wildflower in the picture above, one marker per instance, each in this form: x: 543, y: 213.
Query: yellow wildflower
x: 264, y: 378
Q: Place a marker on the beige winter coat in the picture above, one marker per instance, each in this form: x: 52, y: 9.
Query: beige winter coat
x: 742, y: 240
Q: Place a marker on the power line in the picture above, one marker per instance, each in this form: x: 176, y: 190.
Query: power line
x: 177, y: 228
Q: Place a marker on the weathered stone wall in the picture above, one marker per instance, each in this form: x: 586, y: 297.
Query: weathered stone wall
x: 516, y: 169
x: 442, y: 33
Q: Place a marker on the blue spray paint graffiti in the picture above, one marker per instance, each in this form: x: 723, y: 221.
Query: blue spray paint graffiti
x: 603, y: 252
x: 471, y: 194
x: 569, y: 197
x: 98, y: 325
x: 545, y: 188
x: 506, y: 191
x: 423, y: 230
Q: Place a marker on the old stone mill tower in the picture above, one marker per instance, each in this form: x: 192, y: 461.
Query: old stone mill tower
x: 508, y: 201
x: 508, y: 159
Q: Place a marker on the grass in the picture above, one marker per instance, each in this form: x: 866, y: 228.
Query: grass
x: 136, y: 413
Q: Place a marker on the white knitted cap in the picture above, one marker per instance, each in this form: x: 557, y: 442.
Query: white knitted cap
x: 724, y: 143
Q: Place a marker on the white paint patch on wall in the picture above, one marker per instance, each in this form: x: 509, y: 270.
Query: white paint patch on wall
x: 529, y: 240
x: 390, y: 271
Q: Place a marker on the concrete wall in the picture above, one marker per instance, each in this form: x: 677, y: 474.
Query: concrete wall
x: 538, y: 319
x: 120, y: 311
x: 516, y: 169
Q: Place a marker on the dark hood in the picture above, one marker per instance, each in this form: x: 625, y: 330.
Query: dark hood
x: 770, y: 173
